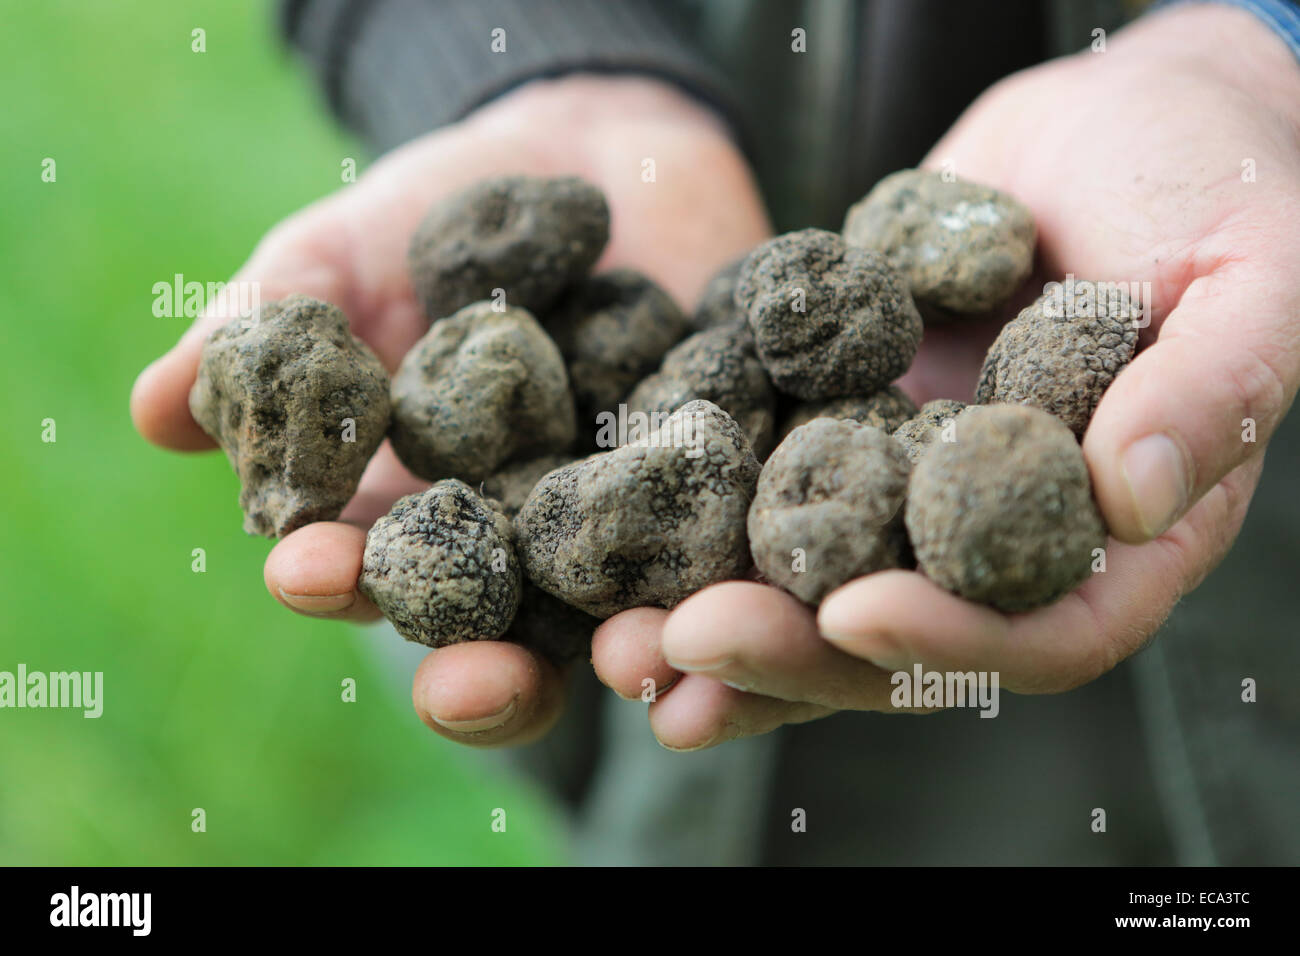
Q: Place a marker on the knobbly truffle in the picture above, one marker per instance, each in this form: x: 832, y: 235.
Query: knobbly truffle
x: 829, y: 319
x: 717, y: 365
x: 1062, y: 351
x: 480, y: 387
x: 298, y: 405
x: 511, y: 486
x: 717, y: 305
x: 963, y: 247
x: 885, y: 409
x: 645, y: 524
x: 1004, y: 515
x: 829, y: 507
x: 916, y: 434
x: 527, y: 236
x: 612, y: 330
x: 442, y: 568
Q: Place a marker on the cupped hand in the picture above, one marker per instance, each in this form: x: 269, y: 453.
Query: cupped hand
x: 1173, y: 157
x: 698, y: 212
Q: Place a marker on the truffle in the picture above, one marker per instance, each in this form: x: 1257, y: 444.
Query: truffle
x: 916, y: 434
x: 298, y: 405
x: 526, y: 236
x: 885, y: 409
x: 963, y: 247
x: 829, y: 507
x: 511, y: 486
x: 558, y: 631
x: 442, y: 568
x: 717, y: 365
x: 829, y: 319
x: 612, y: 330
x: 480, y: 387
x: 717, y: 304
x: 647, y: 523
x: 1004, y: 515
x: 1062, y: 351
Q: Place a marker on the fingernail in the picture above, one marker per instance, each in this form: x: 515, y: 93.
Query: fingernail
x: 698, y: 667
x: 1157, y: 481
x: 491, y: 722
x: 319, y: 603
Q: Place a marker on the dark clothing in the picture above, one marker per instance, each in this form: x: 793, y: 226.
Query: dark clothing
x: 1186, y: 772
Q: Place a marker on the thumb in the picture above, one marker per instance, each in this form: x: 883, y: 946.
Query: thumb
x: 1201, y: 400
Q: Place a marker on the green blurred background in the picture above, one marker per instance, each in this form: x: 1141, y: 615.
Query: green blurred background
x: 173, y: 161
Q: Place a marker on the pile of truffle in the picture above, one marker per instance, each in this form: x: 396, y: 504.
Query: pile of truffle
x: 593, y: 449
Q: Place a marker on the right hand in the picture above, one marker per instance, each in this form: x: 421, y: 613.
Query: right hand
x: 701, y: 212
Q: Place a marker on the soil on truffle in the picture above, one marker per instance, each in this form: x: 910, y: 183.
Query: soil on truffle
x: 442, y: 567
x: 299, y: 406
x: 829, y: 507
x: 1004, y: 515
x: 525, y: 236
x: 829, y: 319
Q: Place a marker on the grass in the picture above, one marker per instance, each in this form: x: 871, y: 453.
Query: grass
x: 167, y: 161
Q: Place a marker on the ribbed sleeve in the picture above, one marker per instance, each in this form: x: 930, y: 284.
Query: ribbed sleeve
x: 393, y: 69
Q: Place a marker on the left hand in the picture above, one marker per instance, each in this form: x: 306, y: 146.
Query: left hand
x: 1132, y: 162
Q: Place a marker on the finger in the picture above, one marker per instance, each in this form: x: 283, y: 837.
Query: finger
x: 625, y: 654
x: 384, y: 481
x: 1197, y: 403
x: 899, y: 618
x: 306, y: 256
x: 760, y: 639
x: 702, y: 713
x: 314, y: 571
x: 487, y: 693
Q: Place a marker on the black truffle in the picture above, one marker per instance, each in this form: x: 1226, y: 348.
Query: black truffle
x: 1063, y: 351
x: 647, y: 523
x: 885, y: 409
x: 481, y: 387
x: 1004, y: 515
x: 916, y: 434
x: 829, y: 319
x: 442, y: 567
x: 964, y: 248
x: 526, y: 236
x: 298, y: 405
x: 829, y: 507
x: 718, y: 365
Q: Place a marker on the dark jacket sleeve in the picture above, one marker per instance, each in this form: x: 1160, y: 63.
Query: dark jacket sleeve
x: 393, y: 69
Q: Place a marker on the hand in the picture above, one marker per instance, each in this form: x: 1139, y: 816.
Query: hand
x: 1132, y: 163
x: 350, y: 249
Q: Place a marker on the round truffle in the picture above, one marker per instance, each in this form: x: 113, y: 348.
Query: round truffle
x: 717, y: 304
x: 963, y: 247
x: 526, y: 236
x: 916, y: 434
x: 612, y: 330
x: 480, y: 387
x: 442, y: 568
x: 718, y: 365
x: 1062, y: 351
x: 1004, y: 515
x: 885, y: 409
x: 829, y: 507
x: 829, y: 319
x: 298, y: 405
x: 645, y: 524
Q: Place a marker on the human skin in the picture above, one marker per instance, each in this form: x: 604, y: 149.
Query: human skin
x: 701, y: 212
x: 1131, y: 161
